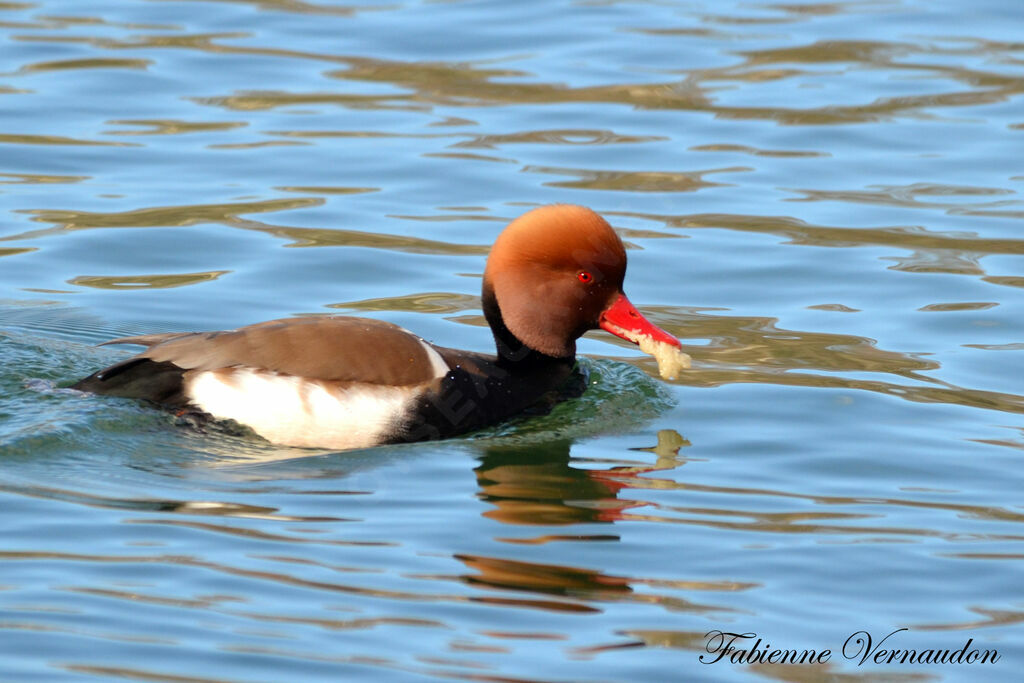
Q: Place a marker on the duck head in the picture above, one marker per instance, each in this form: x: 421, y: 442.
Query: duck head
x: 554, y: 273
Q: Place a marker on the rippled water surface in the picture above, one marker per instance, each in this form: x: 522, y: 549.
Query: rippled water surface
x: 823, y: 201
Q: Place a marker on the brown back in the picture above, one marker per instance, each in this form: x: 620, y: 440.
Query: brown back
x: 324, y: 348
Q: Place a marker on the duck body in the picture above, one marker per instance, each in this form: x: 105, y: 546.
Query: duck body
x: 277, y: 378
x: 346, y: 382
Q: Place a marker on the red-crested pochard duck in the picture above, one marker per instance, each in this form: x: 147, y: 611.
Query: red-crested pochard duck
x: 343, y: 382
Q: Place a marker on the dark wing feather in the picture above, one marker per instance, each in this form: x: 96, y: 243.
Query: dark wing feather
x: 137, y: 378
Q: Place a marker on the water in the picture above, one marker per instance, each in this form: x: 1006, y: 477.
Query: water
x: 822, y: 200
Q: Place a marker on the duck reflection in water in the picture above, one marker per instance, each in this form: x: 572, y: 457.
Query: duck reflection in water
x: 539, y: 485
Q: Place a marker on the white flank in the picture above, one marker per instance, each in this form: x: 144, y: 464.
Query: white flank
x: 293, y: 411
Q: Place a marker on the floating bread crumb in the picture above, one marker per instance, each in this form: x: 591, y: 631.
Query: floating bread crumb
x: 670, y: 358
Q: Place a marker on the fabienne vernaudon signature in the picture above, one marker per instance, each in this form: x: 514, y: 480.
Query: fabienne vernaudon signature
x: 860, y: 647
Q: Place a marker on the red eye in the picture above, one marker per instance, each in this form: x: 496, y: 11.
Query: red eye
x: 584, y: 277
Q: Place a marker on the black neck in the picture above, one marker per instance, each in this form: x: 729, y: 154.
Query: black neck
x: 511, y: 351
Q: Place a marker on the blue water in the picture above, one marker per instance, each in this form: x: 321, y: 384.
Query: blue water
x: 821, y: 200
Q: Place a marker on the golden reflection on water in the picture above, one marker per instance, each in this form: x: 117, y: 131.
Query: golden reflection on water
x: 145, y: 281
x: 27, y: 139
x: 37, y: 179
x: 469, y: 84
x: 634, y: 181
x: 746, y: 149
x: 44, y: 21
x: 203, y: 508
x: 451, y: 84
x: 757, y: 344
x: 172, y: 127
x: 157, y: 216
x: 327, y: 190
x: 92, y: 63
x: 801, y: 232
x: 14, y: 251
x: 425, y: 302
x: 569, y: 136
x: 326, y: 237
x: 300, y: 7
x: 231, y: 215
